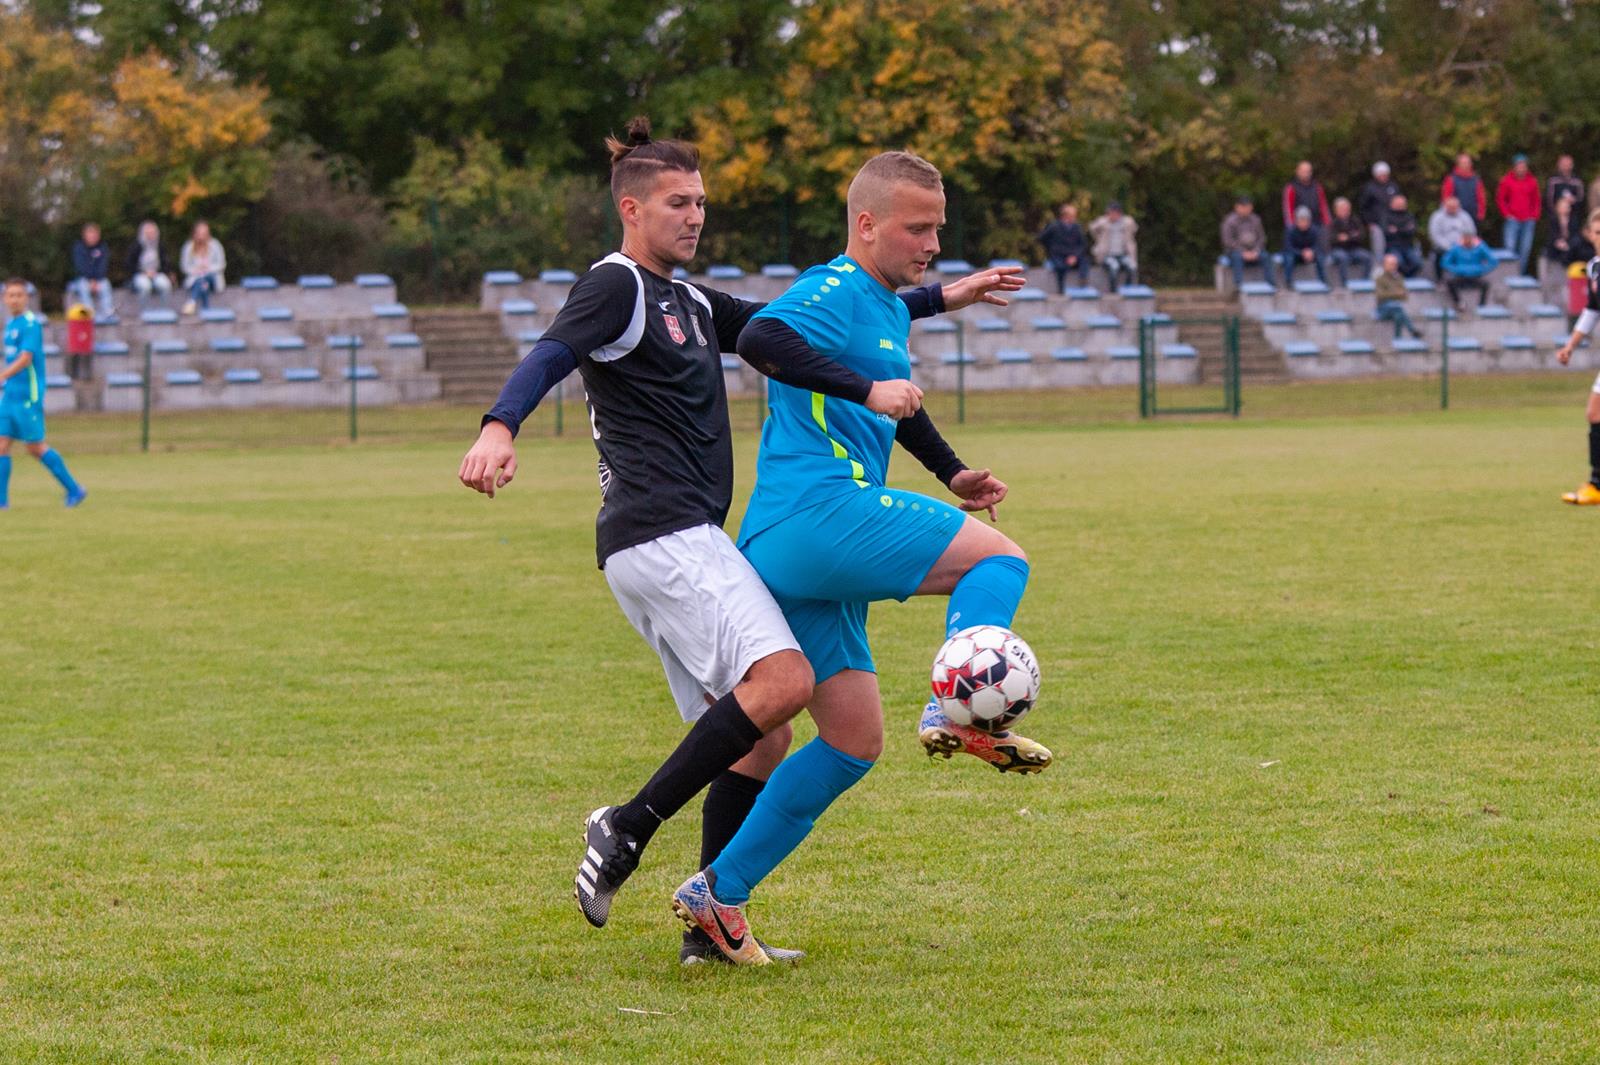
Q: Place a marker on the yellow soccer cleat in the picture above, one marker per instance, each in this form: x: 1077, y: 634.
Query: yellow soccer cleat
x: 1008, y: 752
x: 1587, y: 495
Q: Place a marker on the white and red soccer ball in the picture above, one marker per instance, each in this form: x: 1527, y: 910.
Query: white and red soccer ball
x: 985, y: 677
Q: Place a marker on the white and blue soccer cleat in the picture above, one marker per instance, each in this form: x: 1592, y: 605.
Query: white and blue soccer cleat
x: 696, y: 906
x: 1009, y: 752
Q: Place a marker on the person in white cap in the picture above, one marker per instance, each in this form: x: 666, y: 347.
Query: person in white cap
x: 1375, y: 197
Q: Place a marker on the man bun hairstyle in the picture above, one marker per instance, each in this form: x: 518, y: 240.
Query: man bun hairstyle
x: 638, y: 160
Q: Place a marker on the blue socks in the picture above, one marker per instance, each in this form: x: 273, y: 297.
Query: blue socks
x: 58, y: 466
x: 987, y: 595
x: 800, y: 789
x: 5, y: 480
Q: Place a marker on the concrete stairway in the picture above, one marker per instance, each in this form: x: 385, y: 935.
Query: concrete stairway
x: 469, y: 352
x: 1258, y: 360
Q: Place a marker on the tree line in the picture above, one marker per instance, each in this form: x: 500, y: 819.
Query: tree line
x: 440, y: 138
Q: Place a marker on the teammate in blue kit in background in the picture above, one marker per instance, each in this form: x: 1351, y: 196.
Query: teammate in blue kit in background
x: 828, y: 537
x: 22, y: 396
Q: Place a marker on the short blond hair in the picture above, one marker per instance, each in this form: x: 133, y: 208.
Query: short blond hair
x: 870, y: 188
x: 1594, y: 216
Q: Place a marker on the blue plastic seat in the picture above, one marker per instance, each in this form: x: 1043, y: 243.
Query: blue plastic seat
x: 518, y: 307
x: 730, y: 362
x: 1311, y: 288
x: 315, y: 281
x: 183, y: 377
x: 1137, y: 292
x: 1493, y: 310
x: 110, y: 347
x: 1517, y: 343
x: 228, y: 345
x: 360, y: 373
x: 530, y: 336
x: 1103, y: 321
x: 952, y: 359
x: 402, y: 340
x: 1279, y: 318
x: 1360, y: 284
x: 1123, y: 351
x: 1048, y: 322
x: 939, y: 325
x: 1012, y: 356
x: 498, y: 277
x: 302, y: 373
x: 1256, y: 288
x: 1418, y: 284
x: 1544, y: 310
x: 373, y: 280
x: 259, y: 284
x: 218, y: 314
x: 288, y: 343
x: 107, y: 320
x: 1301, y: 349
x: 1083, y: 292
x: 124, y: 379
x: 345, y: 340
x: 169, y: 347
x: 995, y: 264
x: 994, y: 325
x: 1440, y: 314
x: 51, y: 350
x: 724, y: 272
x: 390, y: 310
x: 1178, y: 351
x: 57, y: 380
x: 780, y: 271
x: 1520, y: 282
x: 1029, y: 295
x: 275, y: 314
x: 1160, y: 318
x: 557, y: 277
x: 242, y: 377
x: 1465, y: 344
x: 1410, y: 344
x: 1356, y: 347
x: 1333, y: 317
x: 1069, y: 354
x: 948, y: 267
x: 159, y: 316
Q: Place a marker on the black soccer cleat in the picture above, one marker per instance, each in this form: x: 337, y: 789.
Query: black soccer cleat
x: 610, y: 857
x: 698, y: 949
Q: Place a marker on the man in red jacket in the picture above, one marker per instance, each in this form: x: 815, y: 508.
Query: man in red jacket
x: 1464, y: 184
x: 1519, y: 201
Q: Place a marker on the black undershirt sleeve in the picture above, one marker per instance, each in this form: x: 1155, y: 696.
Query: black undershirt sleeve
x: 546, y: 365
x: 777, y: 351
x: 918, y: 435
x: 924, y: 302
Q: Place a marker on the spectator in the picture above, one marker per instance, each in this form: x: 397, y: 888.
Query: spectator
x: 1066, y: 248
x: 1390, y: 288
x: 1305, y: 191
x: 1116, y: 246
x: 1303, y: 244
x: 1244, y: 241
x: 1561, y: 249
x: 203, y: 263
x: 1400, y: 236
x: 1347, y: 239
x: 1446, y: 227
x: 1517, y: 197
x: 89, y: 267
x: 1375, y: 197
x: 1465, y: 186
x: 1565, y: 183
x: 149, y: 272
x: 1468, y: 265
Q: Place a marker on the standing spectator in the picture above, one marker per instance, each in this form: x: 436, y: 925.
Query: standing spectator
x: 1066, y: 248
x: 1468, y: 265
x: 203, y: 263
x: 90, y: 264
x: 1390, y: 289
x: 1116, y: 246
x: 1244, y: 241
x: 1465, y: 186
x: 1347, y: 239
x: 148, y: 269
x: 1400, y: 236
x: 1305, y: 191
x: 1565, y: 233
x: 1565, y: 183
x: 1303, y: 244
x: 1374, y: 204
x: 1517, y: 197
x: 1446, y: 227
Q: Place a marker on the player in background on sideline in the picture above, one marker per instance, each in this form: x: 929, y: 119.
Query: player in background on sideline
x: 649, y: 349
x: 1588, y: 493
x: 828, y: 536
x: 22, y: 395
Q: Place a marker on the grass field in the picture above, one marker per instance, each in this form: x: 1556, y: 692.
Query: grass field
x: 295, y: 745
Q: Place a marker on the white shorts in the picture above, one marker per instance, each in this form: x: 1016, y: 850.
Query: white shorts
x: 695, y: 599
x: 1596, y: 388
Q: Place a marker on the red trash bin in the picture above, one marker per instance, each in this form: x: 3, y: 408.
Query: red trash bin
x: 1577, y: 289
x: 80, y: 342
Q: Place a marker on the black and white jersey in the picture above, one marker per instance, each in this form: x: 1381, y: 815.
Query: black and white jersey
x: 650, y: 352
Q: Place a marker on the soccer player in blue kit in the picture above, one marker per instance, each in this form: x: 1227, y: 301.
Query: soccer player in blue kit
x: 22, y: 395
x: 828, y: 537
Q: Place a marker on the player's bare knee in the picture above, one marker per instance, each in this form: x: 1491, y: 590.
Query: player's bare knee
x: 776, y: 688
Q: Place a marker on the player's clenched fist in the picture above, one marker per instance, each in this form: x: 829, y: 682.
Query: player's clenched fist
x: 492, y: 461
x: 897, y: 399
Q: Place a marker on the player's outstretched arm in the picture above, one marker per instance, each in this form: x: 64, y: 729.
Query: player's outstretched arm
x: 781, y: 353
x: 985, y: 286
x: 977, y: 489
x: 492, y: 461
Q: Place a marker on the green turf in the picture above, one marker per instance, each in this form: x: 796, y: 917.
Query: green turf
x: 295, y: 745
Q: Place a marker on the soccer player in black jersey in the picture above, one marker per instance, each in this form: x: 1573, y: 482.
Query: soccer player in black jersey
x: 649, y: 350
x: 1587, y: 494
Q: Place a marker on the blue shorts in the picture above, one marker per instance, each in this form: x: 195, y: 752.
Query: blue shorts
x: 22, y: 421
x: 824, y: 565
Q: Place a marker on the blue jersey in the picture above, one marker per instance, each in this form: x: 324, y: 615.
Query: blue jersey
x: 23, y: 333
x: 815, y: 448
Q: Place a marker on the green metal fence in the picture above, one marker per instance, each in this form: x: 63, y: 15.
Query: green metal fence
x: 1209, y: 345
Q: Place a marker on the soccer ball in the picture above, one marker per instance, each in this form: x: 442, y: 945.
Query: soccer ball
x: 985, y: 677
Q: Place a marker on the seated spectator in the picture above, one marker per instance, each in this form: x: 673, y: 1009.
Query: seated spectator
x: 90, y: 264
x: 1390, y: 289
x: 1375, y: 197
x: 1244, y: 241
x: 148, y: 270
x: 1468, y: 265
x: 203, y: 262
x: 1116, y: 246
x: 1400, y: 236
x: 1517, y: 197
x: 1564, y: 182
x: 1347, y: 239
x: 1303, y: 246
x: 1446, y: 227
x: 1066, y: 249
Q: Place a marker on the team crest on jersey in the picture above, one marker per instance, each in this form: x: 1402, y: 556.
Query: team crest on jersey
x: 674, y: 328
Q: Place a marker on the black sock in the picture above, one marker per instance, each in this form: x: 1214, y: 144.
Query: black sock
x: 1594, y: 455
x: 722, y: 736
x: 728, y: 803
